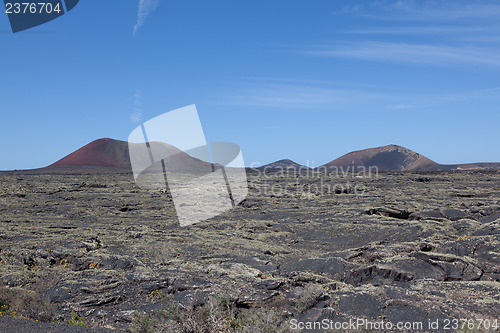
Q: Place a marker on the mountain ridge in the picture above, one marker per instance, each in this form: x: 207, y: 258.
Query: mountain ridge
x: 106, y: 154
x: 283, y: 164
x: 103, y: 152
x: 385, y: 158
x: 110, y: 155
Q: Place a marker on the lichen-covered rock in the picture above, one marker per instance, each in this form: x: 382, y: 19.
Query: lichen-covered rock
x: 411, y: 247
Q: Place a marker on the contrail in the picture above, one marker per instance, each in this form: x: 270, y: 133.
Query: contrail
x: 137, y: 115
x: 145, y: 8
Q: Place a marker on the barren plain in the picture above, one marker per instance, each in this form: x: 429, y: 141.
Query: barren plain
x: 392, y: 247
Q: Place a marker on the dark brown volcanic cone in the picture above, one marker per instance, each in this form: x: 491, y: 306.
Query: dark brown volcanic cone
x: 386, y: 158
x: 102, y: 152
x: 283, y: 165
x: 109, y: 155
x: 114, y: 154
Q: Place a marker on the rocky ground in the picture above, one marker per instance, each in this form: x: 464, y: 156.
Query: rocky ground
x: 395, y: 247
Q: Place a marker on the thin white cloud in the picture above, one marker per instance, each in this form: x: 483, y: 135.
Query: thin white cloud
x: 293, y: 96
x: 328, y: 83
x: 424, y: 30
x: 145, y: 8
x: 410, y: 53
x: 318, y: 98
x: 349, y: 9
x: 400, y: 106
x: 136, y: 117
x: 434, y: 11
x: 482, y: 94
x: 482, y: 39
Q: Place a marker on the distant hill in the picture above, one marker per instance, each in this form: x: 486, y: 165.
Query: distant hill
x: 397, y: 158
x: 109, y: 154
x: 467, y: 166
x: 284, y: 164
x: 100, y: 153
x: 386, y: 158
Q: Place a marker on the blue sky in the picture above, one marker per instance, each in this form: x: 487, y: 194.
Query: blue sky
x: 306, y: 80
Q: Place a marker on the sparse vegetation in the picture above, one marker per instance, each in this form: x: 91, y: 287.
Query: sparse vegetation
x: 77, y: 320
x: 17, y: 302
x: 286, y: 252
x: 218, y: 314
